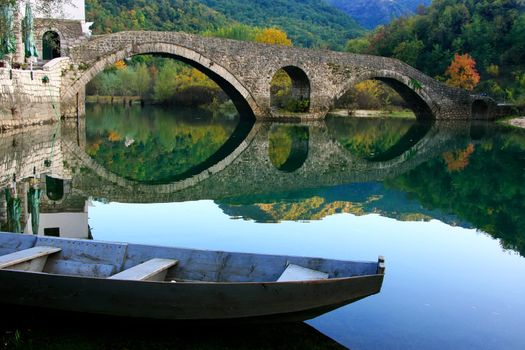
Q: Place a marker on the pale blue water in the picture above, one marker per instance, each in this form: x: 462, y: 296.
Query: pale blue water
x: 445, y: 288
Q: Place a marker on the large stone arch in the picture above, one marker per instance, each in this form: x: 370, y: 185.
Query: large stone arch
x: 241, y: 97
x: 411, y: 90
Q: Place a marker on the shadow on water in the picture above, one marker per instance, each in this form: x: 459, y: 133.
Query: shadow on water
x: 29, y: 328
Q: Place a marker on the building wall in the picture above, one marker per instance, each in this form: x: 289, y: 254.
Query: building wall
x: 68, y: 9
x: 69, y: 31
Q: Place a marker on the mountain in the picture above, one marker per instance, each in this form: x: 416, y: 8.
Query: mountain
x: 309, y: 23
x: 371, y: 13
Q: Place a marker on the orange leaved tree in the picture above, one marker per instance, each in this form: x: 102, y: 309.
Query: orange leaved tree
x: 462, y: 72
x: 273, y: 36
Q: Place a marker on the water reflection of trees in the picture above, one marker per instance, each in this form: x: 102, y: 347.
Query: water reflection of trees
x: 288, y: 146
x: 482, y: 183
x: 154, y: 145
x: 376, y: 139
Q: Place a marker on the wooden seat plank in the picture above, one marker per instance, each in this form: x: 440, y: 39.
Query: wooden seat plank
x: 26, y: 255
x: 151, y: 270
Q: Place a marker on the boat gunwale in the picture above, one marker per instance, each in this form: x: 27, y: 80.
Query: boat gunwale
x: 193, y: 282
x: 45, y: 240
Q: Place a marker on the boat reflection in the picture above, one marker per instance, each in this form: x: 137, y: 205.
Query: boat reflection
x: 98, y: 332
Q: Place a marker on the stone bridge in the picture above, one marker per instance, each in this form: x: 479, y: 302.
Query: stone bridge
x: 244, y: 70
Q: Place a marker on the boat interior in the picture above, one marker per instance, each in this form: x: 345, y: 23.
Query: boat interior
x: 122, y: 261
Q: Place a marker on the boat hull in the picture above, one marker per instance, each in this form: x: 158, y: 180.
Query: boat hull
x: 254, y: 301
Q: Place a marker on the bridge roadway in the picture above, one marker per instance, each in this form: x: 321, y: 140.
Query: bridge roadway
x: 245, y: 70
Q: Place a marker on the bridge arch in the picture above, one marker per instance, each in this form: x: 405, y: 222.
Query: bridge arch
x: 299, y: 91
x: 411, y: 90
x: 241, y: 97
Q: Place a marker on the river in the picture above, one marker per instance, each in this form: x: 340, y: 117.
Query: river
x: 443, y: 202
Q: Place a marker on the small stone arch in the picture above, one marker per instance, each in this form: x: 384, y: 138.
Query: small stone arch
x: 51, y: 45
x: 480, y: 109
x: 299, y: 91
x: 241, y: 97
x: 410, y: 89
x: 288, y: 146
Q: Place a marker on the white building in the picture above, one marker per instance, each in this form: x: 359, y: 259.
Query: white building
x: 58, y: 27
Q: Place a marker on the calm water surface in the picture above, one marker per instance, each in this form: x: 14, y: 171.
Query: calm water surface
x: 443, y: 202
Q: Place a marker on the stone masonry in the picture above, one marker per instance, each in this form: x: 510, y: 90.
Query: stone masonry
x: 25, y: 97
x: 245, y: 70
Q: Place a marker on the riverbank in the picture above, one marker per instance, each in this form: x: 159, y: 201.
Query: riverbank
x: 366, y: 113
x: 518, y: 122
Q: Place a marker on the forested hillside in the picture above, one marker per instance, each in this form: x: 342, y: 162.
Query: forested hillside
x: 309, y: 23
x: 491, y: 32
x: 177, y: 15
x: 371, y: 13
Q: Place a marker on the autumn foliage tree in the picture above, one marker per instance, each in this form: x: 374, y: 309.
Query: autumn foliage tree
x: 273, y: 36
x: 462, y: 72
x: 458, y: 160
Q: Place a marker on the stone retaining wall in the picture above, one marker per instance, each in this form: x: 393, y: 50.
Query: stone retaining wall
x: 25, y: 99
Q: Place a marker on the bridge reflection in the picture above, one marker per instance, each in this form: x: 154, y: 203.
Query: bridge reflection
x: 333, y: 171
x: 255, y: 157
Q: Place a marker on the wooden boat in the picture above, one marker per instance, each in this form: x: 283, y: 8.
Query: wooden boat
x: 174, y: 283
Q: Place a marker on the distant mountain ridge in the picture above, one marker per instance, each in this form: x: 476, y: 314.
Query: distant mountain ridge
x: 371, y: 13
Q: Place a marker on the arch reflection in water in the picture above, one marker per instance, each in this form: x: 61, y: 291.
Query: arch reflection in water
x: 480, y: 109
x: 153, y: 145
x: 54, y: 188
x: 377, y: 140
x: 288, y: 146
